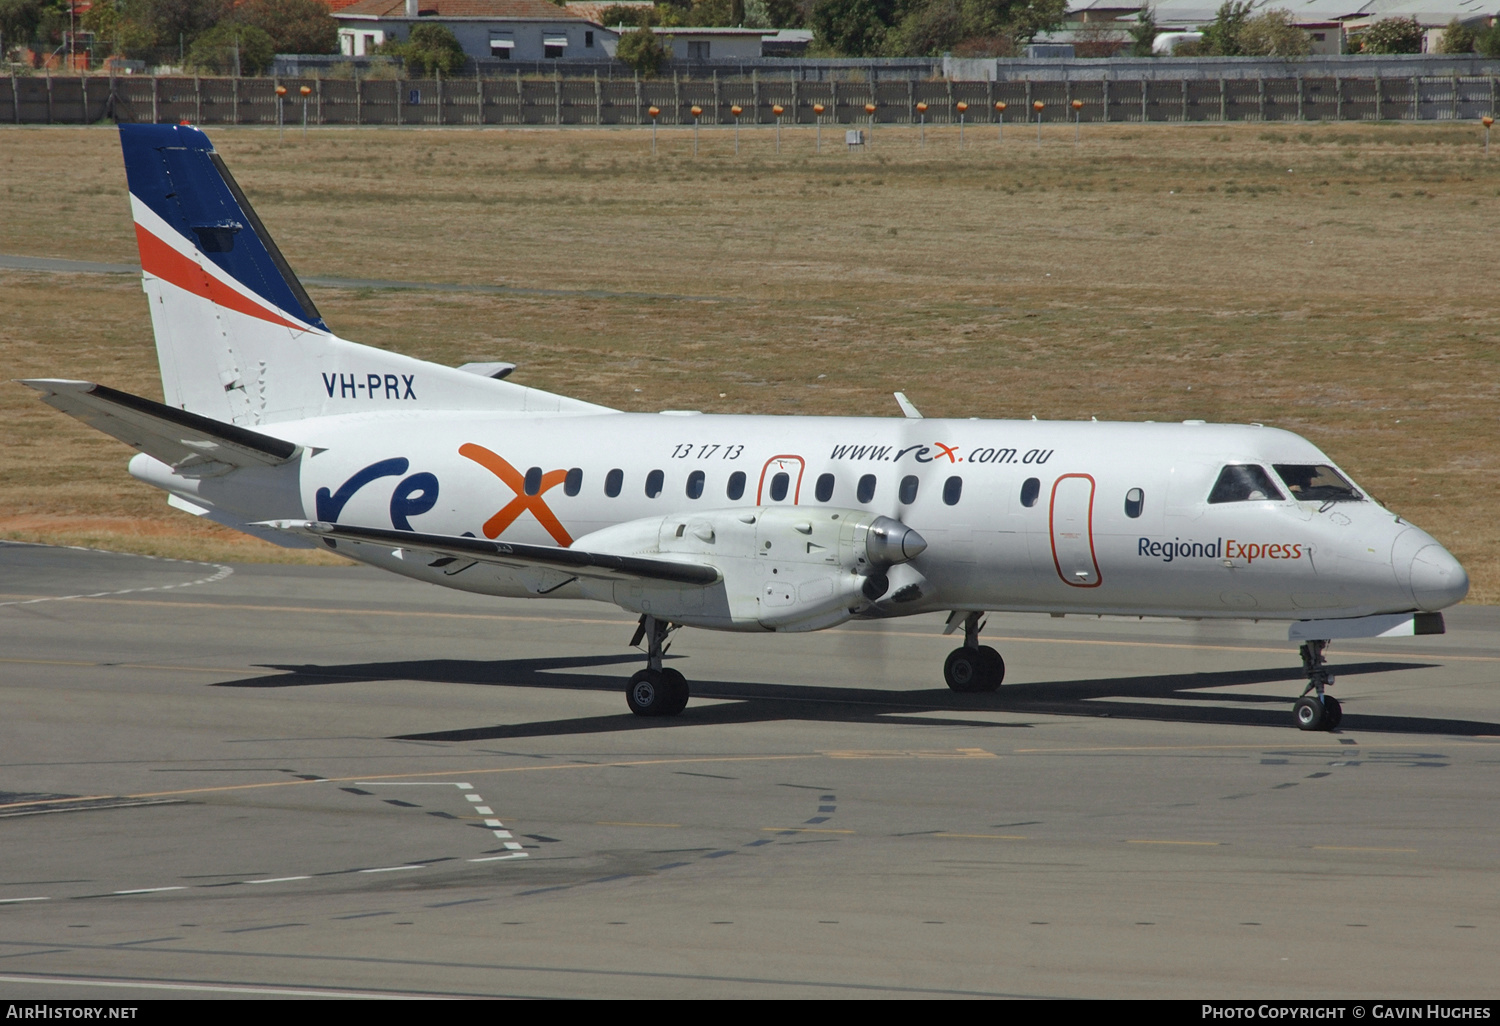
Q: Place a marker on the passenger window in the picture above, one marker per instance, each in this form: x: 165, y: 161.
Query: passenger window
x: 1029, y: 492
x: 908, y: 493
x: 1135, y: 501
x: 952, y: 489
x: 736, y: 484
x: 533, y: 481
x: 653, y: 483
x: 573, y: 483
x: 613, y: 482
x: 825, y: 487
x: 695, y: 485
x: 866, y: 489
x: 778, y: 486
x: 1317, y: 483
x: 1244, y: 483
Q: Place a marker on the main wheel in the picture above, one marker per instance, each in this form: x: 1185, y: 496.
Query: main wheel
x: 991, y: 670
x: 676, y: 687
x: 962, y: 669
x: 648, y: 693
x: 1333, y: 713
x: 1309, y: 714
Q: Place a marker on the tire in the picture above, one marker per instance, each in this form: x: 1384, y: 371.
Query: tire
x: 1308, y: 713
x: 676, y: 687
x: 647, y: 694
x: 991, y: 669
x: 963, y: 670
x: 1333, y: 713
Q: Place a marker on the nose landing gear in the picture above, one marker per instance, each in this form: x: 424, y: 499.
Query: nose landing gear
x: 655, y: 691
x: 1318, y: 711
x: 974, y: 668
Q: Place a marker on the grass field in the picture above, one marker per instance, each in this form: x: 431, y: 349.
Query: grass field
x: 1336, y: 280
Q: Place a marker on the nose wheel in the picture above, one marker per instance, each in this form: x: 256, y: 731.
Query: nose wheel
x: 974, y: 668
x: 656, y: 690
x: 1315, y: 710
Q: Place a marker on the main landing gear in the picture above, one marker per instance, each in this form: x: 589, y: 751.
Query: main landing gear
x: 1316, y: 711
x: 655, y: 691
x: 974, y: 668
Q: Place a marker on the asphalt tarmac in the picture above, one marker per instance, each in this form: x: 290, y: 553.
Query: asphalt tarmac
x: 264, y: 780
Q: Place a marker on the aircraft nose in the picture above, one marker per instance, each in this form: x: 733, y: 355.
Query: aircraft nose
x: 1437, y: 579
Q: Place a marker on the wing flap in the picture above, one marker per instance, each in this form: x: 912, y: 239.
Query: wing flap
x: 602, y: 565
x: 187, y: 442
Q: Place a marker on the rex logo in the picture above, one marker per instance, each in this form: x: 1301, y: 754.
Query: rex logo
x: 525, y: 500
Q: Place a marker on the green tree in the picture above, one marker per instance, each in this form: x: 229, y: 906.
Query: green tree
x: 1393, y: 35
x: 1272, y: 34
x: 1222, y: 37
x: 19, y: 20
x: 643, y: 51
x: 788, y: 13
x: 1143, y: 32
x: 852, y: 28
x: 214, y: 51
x: 619, y: 14
x: 430, y: 49
x: 1457, y: 38
x: 1488, y: 43
x: 296, y: 26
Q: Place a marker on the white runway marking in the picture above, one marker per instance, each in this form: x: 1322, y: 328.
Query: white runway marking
x: 279, y: 879
x: 390, y: 869
x: 217, y: 988
x: 149, y: 890
x: 220, y: 572
x: 12, y: 901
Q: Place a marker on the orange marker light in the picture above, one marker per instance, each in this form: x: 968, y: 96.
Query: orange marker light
x: 736, y: 110
x: 962, y: 106
x: 1078, y: 105
x: 653, y: 111
x: 306, y: 91
x: 921, y: 108
x: 869, y: 108
x: 281, y: 90
x: 1037, y: 106
x: 1000, y: 106
x: 818, y: 108
x: 697, y: 111
x: 778, y: 110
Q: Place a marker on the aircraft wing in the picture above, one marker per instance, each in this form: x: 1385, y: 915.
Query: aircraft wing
x: 185, y: 441
x: 603, y: 565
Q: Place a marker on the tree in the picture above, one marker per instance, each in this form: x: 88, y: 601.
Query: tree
x: 1143, y: 32
x: 1457, y: 38
x: 852, y: 28
x: 1222, y: 37
x: 429, y: 49
x: 1272, y: 34
x: 643, y: 51
x: 215, y: 50
x: 296, y: 26
x: 1393, y: 35
x: 1488, y: 43
x: 19, y: 20
x: 618, y: 14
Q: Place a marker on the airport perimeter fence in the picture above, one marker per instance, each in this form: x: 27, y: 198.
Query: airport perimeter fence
x: 594, y: 101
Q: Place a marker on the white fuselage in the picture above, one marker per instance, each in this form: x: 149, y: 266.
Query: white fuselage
x: 1079, y: 538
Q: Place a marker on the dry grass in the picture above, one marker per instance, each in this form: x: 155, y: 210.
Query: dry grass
x: 1330, y: 279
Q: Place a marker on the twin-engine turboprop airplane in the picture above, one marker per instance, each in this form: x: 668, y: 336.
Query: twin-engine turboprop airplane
x: 281, y: 429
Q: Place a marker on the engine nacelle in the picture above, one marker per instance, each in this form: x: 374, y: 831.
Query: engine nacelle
x: 784, y: 568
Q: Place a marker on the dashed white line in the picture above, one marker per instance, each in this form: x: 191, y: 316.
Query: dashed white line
x: 221, y: 572
x: 278, y: 879
x: 149, y: 890
x: 13, y: 901
x: 390, y: 869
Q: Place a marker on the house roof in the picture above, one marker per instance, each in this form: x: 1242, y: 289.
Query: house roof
x: 486, y: 9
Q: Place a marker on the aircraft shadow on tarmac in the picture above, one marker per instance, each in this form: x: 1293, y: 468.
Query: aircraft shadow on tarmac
x: 1176, y: 698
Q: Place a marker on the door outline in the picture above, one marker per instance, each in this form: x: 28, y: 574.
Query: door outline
x: 801, y: 469
x: 1052, y: 532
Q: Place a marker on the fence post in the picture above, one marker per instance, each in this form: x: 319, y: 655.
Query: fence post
x: 1223, y: 101
x: 49, y: 96
x: 83, y: 85
x: 793, y: 78
x: 318, y: 91
x: 155, y: 89
x: 1028, y: 102
x: 833, y: 95
x: 676, y: 98
x: 1105, y: 83
x: 197, y: 100
x: 1299, y: 98
x: 439, y: 94
x: 1261, y: 85
x: 1455, y: 97
x: 755, y: 93
x: 717, y: 108
x: 1416, y: 103
x: 557, y: 97
x: 400, y: 82
x: 637, y: 96
x: 234, y: 101
x: 15, y: 97
x: 359, y: 99
x: 1377, y: 96
x: 1143, y: 100
x: 911, y: 99
x: 1184, y: 100
x: 1338, y: 98
x: 599, y: 97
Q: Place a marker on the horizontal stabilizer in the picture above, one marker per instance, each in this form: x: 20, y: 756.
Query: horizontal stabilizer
x: 602, y: 565
x: 189, y: 443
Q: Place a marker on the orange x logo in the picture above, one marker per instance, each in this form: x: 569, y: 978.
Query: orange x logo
x: 516, y: 482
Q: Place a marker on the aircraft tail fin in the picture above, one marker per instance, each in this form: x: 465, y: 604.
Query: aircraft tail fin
x: 237, y: 336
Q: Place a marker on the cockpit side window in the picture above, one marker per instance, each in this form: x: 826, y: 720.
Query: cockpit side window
x: 1244, y: 483
x: 1317, y: 483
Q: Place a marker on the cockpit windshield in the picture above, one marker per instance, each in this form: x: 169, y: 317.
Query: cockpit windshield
x: 1244, y: 483
x: 1316, y: 483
